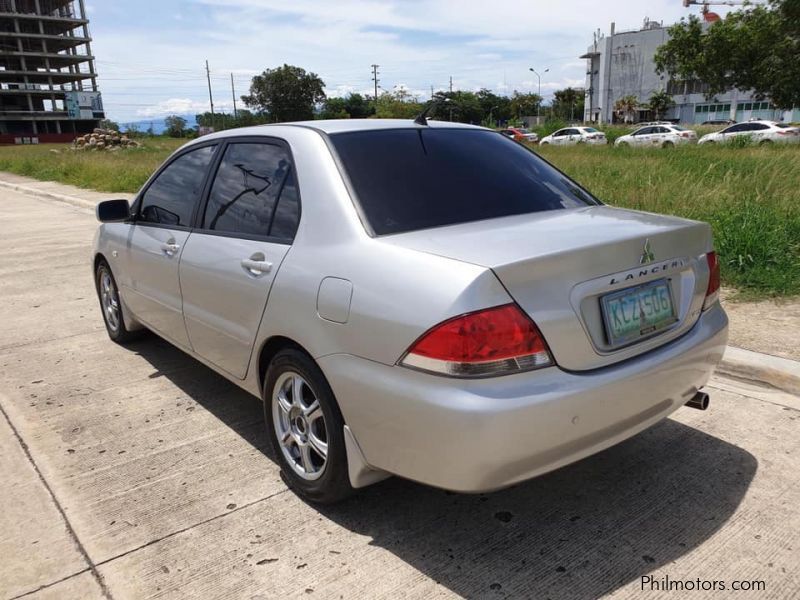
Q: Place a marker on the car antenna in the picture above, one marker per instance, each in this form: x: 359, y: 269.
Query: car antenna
x: 421, y: 118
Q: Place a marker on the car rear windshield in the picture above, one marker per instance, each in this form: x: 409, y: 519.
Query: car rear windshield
x: 410, y: 179
x: 590, y: 130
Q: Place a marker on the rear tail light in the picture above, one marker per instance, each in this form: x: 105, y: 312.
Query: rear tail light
x: 495, y: 341
x: 712, y: 291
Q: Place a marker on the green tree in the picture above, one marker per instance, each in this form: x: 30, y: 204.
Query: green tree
x: 524, y: 105
x: 358, y: 106
x: 755, y: 48
x: 108, y: 124
x: 660, y: 102
x: 459, y: 106
x: 352, y: 106
x: 334, y: 108
x: 398, y: 105
x: 243, y: 118
x: 176, y: 126
x: 286, y: 93
x: 568, y: 104
x: 626, y: 108
x: 495, y: 108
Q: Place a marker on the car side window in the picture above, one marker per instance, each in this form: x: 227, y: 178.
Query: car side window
x: 254, y: 192
x: 171, y: 198
x: 758, y: 126
x: 734, y: 129
x: 643, y: 131
x: 571, y: 132
x: 559, y: 133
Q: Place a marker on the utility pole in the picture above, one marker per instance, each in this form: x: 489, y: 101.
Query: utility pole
x: 210, y: 97
x: 375, y: 81
x: 233, y: 93
x: 451, y: 84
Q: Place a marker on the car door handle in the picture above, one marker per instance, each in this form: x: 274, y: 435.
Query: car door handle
x: 256, y: 267
x: 170, y: 248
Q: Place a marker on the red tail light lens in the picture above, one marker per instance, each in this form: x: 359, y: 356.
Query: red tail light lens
x: 712, y: 292
x: 495, y: 341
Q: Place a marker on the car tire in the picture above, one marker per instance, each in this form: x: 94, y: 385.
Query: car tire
x: 622, y: 145
x: 544, y: 143
x: 765, y: 142
x: 667, y: 145
x: 111, y: 306
x: 301, y: 410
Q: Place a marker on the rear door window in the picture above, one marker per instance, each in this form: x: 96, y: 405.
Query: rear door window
x: 254, y: 192
x: 171, y: 198
x: 410, y: 179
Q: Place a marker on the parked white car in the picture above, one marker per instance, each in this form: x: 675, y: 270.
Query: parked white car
x: 569, y: 136
x: 761, y: 132
x: 665, y: 135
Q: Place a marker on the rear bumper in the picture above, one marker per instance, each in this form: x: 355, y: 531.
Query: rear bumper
x: 480, y: 435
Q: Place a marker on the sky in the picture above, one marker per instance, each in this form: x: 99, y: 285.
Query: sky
x: 151, y: 54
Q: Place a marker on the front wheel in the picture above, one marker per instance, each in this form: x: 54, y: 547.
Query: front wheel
x: 306, y: 428
x: 108, y: 294
x: 623, y: 145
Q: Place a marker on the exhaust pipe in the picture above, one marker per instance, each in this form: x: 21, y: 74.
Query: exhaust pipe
x: 699, y: 401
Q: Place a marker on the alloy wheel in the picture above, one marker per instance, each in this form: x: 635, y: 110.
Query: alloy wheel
x: 300, y: 426
x: 110, y: 300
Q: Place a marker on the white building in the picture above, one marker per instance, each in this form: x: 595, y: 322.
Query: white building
x: 621, y: 64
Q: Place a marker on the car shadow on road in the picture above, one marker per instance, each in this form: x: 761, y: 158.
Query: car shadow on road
x: 579, y: 532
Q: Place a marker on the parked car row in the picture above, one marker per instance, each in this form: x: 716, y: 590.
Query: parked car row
x: 662, y: 134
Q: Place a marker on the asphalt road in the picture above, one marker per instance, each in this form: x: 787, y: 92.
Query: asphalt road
x: 137, y: 473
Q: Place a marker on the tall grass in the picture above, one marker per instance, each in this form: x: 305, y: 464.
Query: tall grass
x: 120, y: 171
x: 750, y: 196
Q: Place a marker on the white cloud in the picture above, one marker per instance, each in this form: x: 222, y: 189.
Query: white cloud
x: 180, y: 106
x: 419, y: 44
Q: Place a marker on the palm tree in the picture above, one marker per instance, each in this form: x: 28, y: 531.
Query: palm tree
x: 626, y: 108
x: 660, y: 103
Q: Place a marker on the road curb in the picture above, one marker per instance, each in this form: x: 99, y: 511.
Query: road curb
x: 32, y: 191
x: 781, y: 373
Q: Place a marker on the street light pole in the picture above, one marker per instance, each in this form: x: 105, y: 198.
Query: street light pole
x: 538, y: 104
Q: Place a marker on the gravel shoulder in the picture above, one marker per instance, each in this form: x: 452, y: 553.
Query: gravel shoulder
x: 768, y: 326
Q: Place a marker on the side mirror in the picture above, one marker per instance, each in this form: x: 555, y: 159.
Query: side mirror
x: 113, y: 211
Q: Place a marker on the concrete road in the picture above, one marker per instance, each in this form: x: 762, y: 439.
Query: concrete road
x: 136, y: 473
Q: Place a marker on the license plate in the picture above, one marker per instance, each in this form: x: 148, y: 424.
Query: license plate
x: 638, y: 312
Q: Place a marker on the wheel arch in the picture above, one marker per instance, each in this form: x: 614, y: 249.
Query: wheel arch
x: 269, y: 349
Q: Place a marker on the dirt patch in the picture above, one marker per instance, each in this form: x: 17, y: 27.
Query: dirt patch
x: 768, y: 326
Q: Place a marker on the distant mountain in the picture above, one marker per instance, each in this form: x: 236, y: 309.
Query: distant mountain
x: 157, y: 124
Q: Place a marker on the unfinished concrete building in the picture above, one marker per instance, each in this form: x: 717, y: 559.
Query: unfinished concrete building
x: 48, y: 82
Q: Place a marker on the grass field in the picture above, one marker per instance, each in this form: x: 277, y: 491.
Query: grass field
x: 751, y: 196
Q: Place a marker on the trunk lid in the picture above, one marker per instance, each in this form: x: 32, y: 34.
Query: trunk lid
x: 557, y: 265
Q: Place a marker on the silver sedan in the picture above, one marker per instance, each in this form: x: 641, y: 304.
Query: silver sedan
x: 432, y: 301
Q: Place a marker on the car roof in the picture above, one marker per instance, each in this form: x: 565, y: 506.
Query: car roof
x: 347, y: 125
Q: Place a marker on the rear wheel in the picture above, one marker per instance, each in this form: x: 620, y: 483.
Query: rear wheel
x: 306, y: 428
x: 667, y: 145
x: 108, y: 294
x: 765, y: 142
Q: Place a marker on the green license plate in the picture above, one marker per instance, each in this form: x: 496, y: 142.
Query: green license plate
x: 638, y: 312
